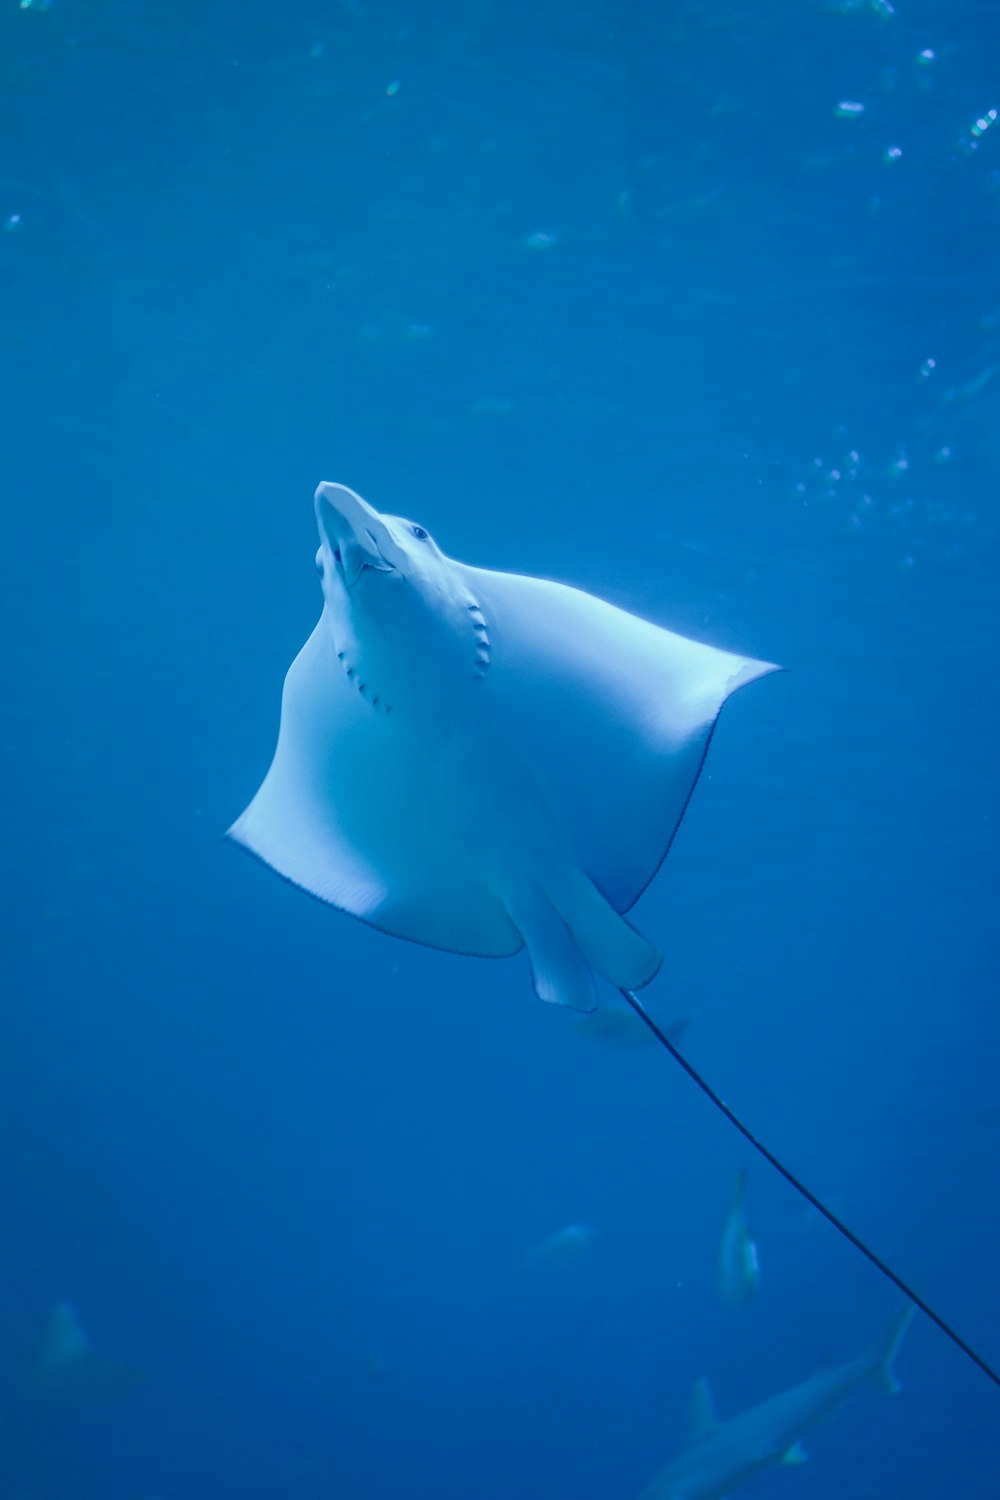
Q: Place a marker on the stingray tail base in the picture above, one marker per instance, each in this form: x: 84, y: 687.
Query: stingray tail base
x: 571, y: 933
x: 609, y: 943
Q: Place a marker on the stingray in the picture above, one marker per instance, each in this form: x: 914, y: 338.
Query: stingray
x: 482, y: 762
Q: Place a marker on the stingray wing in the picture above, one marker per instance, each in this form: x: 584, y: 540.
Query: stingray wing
x: 614, y: 715
x: 350, y: 812
x: 538, y: 812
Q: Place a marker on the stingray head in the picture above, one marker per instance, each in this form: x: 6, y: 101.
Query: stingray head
x: 406, y: 628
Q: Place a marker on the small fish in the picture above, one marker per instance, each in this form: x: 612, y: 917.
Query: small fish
x: 67, y: 1368
x: 718, y: 1456
x: 738, y: 1264
x: 562, y: 1247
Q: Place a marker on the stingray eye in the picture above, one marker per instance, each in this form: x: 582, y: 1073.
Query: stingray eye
x: 420, y: 533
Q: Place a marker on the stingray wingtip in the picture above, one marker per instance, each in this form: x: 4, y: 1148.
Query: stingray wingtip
x: 750, y: 671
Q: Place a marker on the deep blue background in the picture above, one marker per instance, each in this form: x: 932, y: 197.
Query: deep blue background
x: 604, y: 291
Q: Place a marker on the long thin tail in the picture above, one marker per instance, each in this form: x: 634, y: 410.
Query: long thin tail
x: 810, y: 1197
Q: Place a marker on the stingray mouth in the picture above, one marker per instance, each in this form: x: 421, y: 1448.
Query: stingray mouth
x: 354, y: 558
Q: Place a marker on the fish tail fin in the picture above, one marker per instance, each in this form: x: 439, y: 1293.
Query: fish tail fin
x: 884, y: 1350
x: 610, y: 945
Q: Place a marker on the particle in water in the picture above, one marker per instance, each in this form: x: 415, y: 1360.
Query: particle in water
x: 12, y: 222
x: 892, y: 153
x: 926, y: 368
x: 541, y: 239
x: 849, y: 109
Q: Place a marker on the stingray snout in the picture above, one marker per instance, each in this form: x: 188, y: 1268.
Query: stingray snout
x: 353, y: 531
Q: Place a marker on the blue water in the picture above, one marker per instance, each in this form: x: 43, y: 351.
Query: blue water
x: 611, y: 293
